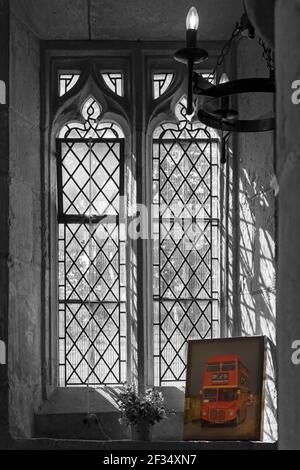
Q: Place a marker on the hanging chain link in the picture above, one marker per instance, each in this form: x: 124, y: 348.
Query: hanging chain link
x: 227, y: 47
x: 268, y: 55
x: 225, y: 50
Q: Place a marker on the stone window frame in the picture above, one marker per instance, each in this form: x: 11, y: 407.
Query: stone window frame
x: 137, y: 60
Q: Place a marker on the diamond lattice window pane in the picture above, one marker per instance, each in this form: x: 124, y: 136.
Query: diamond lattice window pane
x: 92, y: 274
x: 90, y: 178
x: 185, y: 184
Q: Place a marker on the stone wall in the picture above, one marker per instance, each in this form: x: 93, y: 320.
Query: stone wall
x: 24, y: 228
x: 4, y: 191
x: 256, y: 309
x: 288, y: 176
x: 257, y: 220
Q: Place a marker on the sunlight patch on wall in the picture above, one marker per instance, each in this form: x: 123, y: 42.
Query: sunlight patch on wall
x: 2, y: 92
x: 2, y: 353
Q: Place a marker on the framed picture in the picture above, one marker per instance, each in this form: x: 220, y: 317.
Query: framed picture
x: 224, y: 389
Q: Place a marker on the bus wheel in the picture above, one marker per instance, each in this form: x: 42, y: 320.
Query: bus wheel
x: 204, y: 423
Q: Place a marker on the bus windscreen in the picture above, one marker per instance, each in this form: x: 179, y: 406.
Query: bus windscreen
x: 210, y: 395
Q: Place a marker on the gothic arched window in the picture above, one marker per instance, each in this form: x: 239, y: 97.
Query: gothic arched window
x: 186, y: 241
x: 92, y: 312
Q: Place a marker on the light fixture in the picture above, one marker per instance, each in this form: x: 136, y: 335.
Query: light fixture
x: 225, y: 113
x: 192, y: 19
x: 191, y: 54
x: 224, y: 79
x: 229, y: 121
x: 223, y: 117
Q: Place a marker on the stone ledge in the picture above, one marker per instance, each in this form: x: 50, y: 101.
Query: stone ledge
x: 76, y: 413
x: 56, y: 444
x: 65, y: 419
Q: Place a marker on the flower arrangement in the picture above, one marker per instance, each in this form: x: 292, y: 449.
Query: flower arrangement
x: 148, y: 408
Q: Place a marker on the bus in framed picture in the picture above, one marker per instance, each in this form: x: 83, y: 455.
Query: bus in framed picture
x: 225, y: 389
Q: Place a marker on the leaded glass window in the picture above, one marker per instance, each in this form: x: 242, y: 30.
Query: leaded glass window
x: 92, y: 275
x: 114, y: 81
x: 161, y: 83
x: 66, y: 81
x: 185, y: 241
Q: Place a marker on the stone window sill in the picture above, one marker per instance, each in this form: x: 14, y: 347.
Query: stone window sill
x: 75, y: 417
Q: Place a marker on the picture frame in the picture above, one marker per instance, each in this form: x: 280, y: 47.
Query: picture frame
x: 224, y: 398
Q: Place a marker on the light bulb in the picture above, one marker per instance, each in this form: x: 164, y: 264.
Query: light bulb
x: 192, y: 19
x: 224, y: 79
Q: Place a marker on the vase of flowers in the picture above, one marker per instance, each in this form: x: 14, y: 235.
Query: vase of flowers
x: 141, y: 411
x: 141, y: 431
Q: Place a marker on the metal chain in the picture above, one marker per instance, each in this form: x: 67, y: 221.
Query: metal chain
x: 225, y: 50
x: 267, y: 55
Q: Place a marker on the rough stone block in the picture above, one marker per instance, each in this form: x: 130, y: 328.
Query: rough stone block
x: 24, y: 359
x: 25, y: 153
x: 25, y: 73
x: 58, y: 19
x: 21, y: 221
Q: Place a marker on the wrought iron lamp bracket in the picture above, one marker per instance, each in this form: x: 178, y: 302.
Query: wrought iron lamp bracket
x: 224, y: 141
x: 226, y: 119
x: 235, y: 87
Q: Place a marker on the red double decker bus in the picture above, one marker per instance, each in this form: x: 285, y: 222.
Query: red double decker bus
x: 225, y: 395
